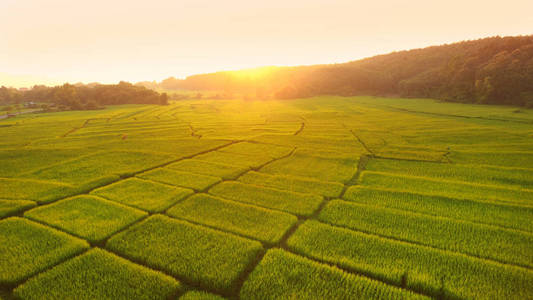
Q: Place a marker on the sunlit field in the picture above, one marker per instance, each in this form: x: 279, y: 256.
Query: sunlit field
x: 319, y: 198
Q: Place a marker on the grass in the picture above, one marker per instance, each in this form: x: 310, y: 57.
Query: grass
x: 201, y: 256
x: 11, y: 207
x: 504, y: 245
x: 27, y: 248
x: 88, y: 217
x: 146, y: 195
x: 209, y: 168
x: 293, y: 184
x: 291, y: 202
x: 182, y: 179
x: 507, y: 216
x: 438, y: 273
x: 251, y: 221
x: 98, y: 274
x: 282, y: 275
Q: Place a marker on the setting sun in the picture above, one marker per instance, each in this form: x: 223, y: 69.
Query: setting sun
x: 108, y: 41
x: 266, y: 150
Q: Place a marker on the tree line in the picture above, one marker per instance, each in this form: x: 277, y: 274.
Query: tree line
x: 80, y: 97
x: 496, y: 70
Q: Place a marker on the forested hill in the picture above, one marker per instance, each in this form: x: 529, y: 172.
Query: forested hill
x: 496, y: 70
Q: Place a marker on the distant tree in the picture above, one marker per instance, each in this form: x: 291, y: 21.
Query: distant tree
x: 91, y: 105
x: 163, y: 99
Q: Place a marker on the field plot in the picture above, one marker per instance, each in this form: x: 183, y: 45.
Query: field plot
x: 293, y: 184
x: 291, y: 202
x: 98, y: 274
x: 27, y: 248
x: 262, y: 224
x: 244, y: 160
x: 423, y: 269
x: 209, y: 168
x: 282, y: 275
x: 91, y: 168
x: 319, y: 198
x: 10, y: 207
x: 197, y: 295
x: 304, y: 164
x: 511, y: 177
x: 181, y: 179
x: 503, y: 215
x: 452, y: 189
x: 88, y: 217
x: 36, y: 190
x: 504, y: 245
x: 200, y: 256
x: 254, y: 149
x: 143, y: 194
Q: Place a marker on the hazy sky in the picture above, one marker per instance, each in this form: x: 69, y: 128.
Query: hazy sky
x: 112, y: 40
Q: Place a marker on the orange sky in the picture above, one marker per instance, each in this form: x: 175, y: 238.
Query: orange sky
x: 54, y: 41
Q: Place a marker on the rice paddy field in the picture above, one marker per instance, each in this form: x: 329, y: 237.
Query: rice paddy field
x: 320, y: 198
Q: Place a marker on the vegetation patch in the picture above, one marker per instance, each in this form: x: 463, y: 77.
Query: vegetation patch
x: 519, y: 159
x: 147, y: 195
x: 254, y: 149
x: 251, y: 221
x: 441, y: 274
x: 291, y: 202
x: 98, y: 274
x: 504, y: 245
x: 409, y: 153
x: 89, y: 217
x: 512, y: 177
x: 182, y: 179
x: 282, y: 275
x: 160, y: 140
x: 37, y: 190
x: 508, y: 216
x: 27, y: 248
x: 346, y: 145
x: 201, y: 256
x: 11, y: 207
x: 223, y: 171
x: 293, y: 184
x: 319, y: 168
x: 451, y: 189
x: 18, y: 161
x: 199, y: 295
x: 117, y: 163
x: 244, y: 160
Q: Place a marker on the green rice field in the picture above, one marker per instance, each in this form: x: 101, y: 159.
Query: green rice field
x: 319, y: 198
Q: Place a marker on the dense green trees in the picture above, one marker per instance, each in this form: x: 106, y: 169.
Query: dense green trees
x: 80, y: 96
x: 492, y: 71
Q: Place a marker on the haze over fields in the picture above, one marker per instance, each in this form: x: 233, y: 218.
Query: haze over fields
x: 266, y: 150
x: 57, y: 41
